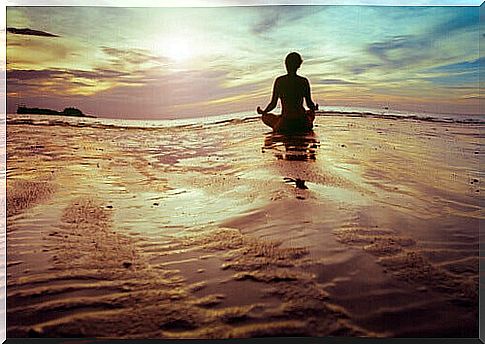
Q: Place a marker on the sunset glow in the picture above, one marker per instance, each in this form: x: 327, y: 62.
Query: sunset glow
x: 184, y: 62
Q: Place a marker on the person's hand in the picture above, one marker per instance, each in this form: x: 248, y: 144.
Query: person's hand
x: 260, y: 111
x: 312, y: 111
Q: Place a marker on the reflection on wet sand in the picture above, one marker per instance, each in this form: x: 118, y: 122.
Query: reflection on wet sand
x: 292, y: 147
x: 192, y: 232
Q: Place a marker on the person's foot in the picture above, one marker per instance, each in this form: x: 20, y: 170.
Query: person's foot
x: 260, y: 111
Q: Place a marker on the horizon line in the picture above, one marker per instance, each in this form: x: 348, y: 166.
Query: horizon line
x: 321, y: 110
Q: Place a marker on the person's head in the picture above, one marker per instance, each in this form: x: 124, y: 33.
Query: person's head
x: 293, y: 62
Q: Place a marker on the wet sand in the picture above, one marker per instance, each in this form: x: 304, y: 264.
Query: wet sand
x: 367, y: 228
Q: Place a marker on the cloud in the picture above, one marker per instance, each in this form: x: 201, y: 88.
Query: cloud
x: 465, y: 19
x: 21, y: 75
x: 60, y: 82
x: 470, y: 77
x: 271, y: 18
x: 266, y: 24
x: 335, y: 82
x: 441, y: 41
x: 152, y: 92
x: 30, y: 32
x: 362, y: 68
x: 121, y: 68
x: 37, y: 52
x: 98, y: 74
x: 456, y: 74
x: 460, y: 66
x: 133, y: 56
x: 402, y: 50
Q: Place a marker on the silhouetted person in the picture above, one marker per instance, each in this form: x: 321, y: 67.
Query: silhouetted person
x: 291, y: 89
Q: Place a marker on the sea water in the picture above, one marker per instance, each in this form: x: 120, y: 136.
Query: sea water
x: 243, y: 116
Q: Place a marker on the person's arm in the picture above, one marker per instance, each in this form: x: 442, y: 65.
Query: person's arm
x: 274, y: 99
x: 308, y: 98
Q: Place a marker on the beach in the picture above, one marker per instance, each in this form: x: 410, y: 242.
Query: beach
x: 221, y: 229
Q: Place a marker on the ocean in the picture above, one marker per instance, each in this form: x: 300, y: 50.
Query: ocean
x: 246, y: 116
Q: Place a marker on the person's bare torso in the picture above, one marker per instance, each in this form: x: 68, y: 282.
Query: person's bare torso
x: 291, y: 90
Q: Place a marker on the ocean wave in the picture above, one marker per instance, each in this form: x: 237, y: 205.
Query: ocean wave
x: 104, y: 123
x: 229, y: 119
x: 416, y: 117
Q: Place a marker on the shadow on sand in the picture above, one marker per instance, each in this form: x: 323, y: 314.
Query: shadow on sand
x: 300, y: 147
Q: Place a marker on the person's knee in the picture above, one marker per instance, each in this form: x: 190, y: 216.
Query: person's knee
x: 267, y: 119
x: 270, y: 120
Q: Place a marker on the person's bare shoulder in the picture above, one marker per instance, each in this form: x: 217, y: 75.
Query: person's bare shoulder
x: 303, y: 79
x: 280, y: 78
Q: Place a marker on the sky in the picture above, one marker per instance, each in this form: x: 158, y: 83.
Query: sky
x: 163, y: 62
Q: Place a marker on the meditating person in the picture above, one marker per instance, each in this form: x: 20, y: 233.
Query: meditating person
x: 291, y: 89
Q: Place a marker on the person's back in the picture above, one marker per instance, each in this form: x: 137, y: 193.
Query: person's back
x: 291, y: 89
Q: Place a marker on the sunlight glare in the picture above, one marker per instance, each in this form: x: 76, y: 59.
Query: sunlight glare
x: 178, y: 49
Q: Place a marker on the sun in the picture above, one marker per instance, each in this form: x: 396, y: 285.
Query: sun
x: 178, y: 49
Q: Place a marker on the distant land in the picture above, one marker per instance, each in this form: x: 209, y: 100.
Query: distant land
x: 69, y: 111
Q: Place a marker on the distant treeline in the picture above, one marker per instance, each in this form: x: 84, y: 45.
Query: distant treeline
x: 69, y: 111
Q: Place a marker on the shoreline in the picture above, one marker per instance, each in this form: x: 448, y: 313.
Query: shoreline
x: 350, y: 112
